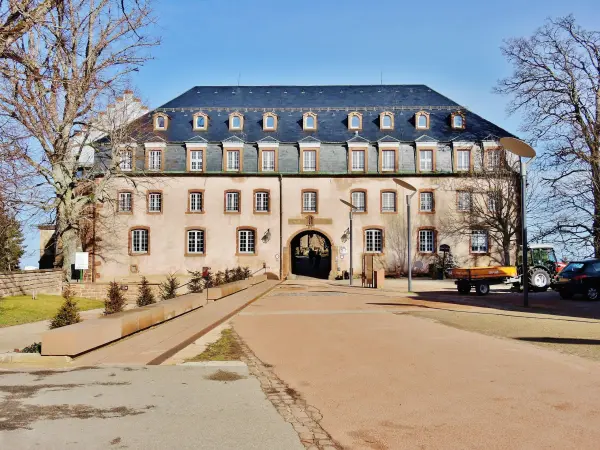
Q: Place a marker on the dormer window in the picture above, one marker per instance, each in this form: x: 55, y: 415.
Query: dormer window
x: 200, y: 122
x: 310, y: 121
x: 422, y: 120
x: 355, y: 121
x: 386, y: 121
x: 236, y: 122
x: 458, y: 120
x: 269, y: 122
x: 161, y: 121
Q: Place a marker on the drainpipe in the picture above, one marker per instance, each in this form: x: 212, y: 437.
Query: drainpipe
x: 280, y: 228
x: 94, y: 243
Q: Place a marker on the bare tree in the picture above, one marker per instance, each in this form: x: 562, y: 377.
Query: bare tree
x: 69, y: 68
x: 556, y: 85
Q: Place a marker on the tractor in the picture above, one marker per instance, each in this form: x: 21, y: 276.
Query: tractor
x: 542, y: 267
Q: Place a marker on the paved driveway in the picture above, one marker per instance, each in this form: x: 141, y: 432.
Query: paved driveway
x: 152, y: 407
x: 386, y: 380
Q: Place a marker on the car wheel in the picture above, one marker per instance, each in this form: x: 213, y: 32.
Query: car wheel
x: 592, y: 293
x: 539, y: 279
x: 482, y: 288
x: 565, y: 295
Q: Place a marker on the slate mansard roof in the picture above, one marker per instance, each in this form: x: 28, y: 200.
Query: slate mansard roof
x: 331, y: 104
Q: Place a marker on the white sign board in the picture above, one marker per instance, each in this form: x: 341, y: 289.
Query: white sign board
x: 81, y: 260
x: 343, y: 250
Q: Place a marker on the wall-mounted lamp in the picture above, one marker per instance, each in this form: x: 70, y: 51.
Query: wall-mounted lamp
x: 345, y: 235
x: 267, y: 236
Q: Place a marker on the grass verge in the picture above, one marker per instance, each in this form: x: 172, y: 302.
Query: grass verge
x: 22, y: 309
x: 226, y: 348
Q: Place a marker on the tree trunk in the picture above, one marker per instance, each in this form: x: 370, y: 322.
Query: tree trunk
x: 506, y: 251
x: 596, y: 193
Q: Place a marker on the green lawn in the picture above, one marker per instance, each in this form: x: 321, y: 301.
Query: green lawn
x: 22, y: 309
x: 226, y: 348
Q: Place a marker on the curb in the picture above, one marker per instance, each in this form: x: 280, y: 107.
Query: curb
x: 15, y: 358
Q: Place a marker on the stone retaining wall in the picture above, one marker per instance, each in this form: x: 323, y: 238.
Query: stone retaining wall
x: 26, y: 282
x: 98, y: 291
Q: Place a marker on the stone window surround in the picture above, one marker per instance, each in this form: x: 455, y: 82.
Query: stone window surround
x: 304, y: 117
x: 200, y: 114
x: 364, y: 191
x: 427, y: 147
x: 389, y: 146
x: 162, y: 201
x: 309, y: 146
x: 130, y: 240
x: 428, y: 123
x: 256, y: 191
x: 231, y: 116
x: 155, y: 121
x: 233, y: 147
x: 427, y: 191
x: 381, y: 115
x: 155, y: 147
x: 268, y: 146
x: 275, y: 120
x: 195, y: 147
x: 358, y: 146
x: 360, y: 121
x: 464, y: 211
x: 302, y: 192
x: 395, y: 201
x: 364, y: 233
x: 186, y: 248
x: 434, y: 252
x: 127, y: 148
x: 237, y: 241
x: 124, y: 191
x: 239, y: 211
x: 462, y: 146
x: 460, y: 114
x: 471, y: 252
x: 189, y: 200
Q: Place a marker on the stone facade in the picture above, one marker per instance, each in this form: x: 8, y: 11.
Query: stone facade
x: 28, y: 282
x: 98, y: 291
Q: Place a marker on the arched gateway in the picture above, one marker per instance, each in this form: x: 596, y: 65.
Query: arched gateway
x: 311, y: 254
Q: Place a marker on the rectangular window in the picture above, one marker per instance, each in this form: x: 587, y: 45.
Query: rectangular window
x: 426, y: 160
x: 127, y: 160
x: 262, y: 202
x: 359, y: 201
x: 196, y: 202
x: 124, y: 201
x: 373, y: 241
x: 232, y: 202
x: 426, y: 202
x: 195, y: 241
x: 155, y: 160
x: 233, y: 161
x: 154, y: 202
x: 309, y: 202
x: 464, y: 201
x: 358, y: 160
x: 197, y: 160
x: 479, y: 241
x: 246, y: 241
x: 463, y: 160
x: 310, y: 161
x: 426, y: 241
x: 268, y: 160
x: 388, y: 202
x: 493, y: 159
x: 388, y: 161
x: 139, y: 241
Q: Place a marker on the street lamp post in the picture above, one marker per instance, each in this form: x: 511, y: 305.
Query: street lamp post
x: 352, y: 208
x: 522, y: 150
x: 409, y: 197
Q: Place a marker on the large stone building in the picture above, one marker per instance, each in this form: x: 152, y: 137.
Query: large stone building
x: 228, y: 176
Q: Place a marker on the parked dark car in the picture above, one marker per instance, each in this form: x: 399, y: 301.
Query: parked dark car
x: 579, y: 277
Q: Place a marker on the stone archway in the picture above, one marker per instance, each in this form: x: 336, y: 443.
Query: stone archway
x: 297, y: 260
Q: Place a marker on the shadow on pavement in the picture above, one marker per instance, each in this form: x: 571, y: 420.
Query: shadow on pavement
x: 557, y: 340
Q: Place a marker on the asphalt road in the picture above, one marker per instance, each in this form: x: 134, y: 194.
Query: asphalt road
x: 150, y: 407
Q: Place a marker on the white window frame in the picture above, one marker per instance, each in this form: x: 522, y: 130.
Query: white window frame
x: 268, y: 160
x: 305, y: 122
x: 390, y: 118
x: 196, y: 202
x: 266, y: 119
x: 246, y: 241
x: 493, y: 163
x: 388, y: 160
x: 155, y: 160
x: 385, y: 204
x: 232, y: 202
x: 463, y: 204
x: 463, y: 164
x: 359, y: 160
x: 125, y: 201
x: 233, y: 118
x: 419, y: 126
x: 309, y: 202
x: 426, y: 201
x: 374, y: 240
x: 126, y: 163
x: 261, y: 201
x: 155, y: 201
x: 426, y: 241
x: 196, y: 160
x: 462, y: 122
x: 140, y: 241
x: 425, y: 164
x: 351, y: 120
x: 309, y: 161
x: 479, y: 241
x: 359, y: 200
x: 196, y: 244
x: 233, y: 163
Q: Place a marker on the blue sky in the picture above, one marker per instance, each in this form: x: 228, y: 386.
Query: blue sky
x: 451, y: 46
